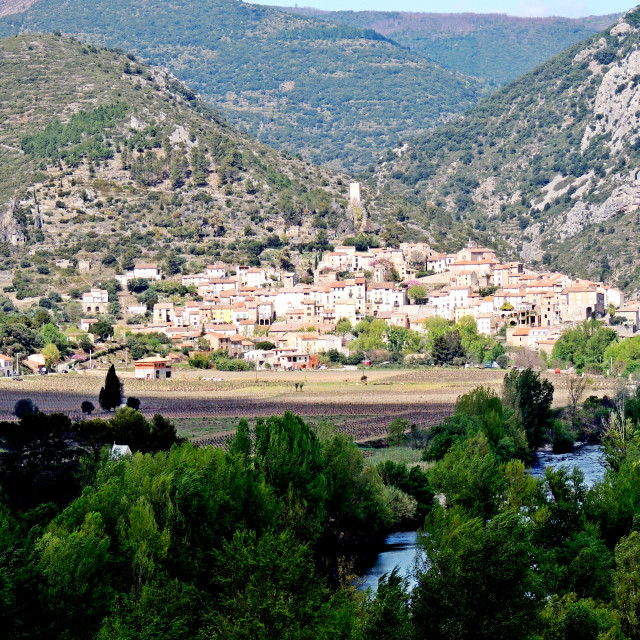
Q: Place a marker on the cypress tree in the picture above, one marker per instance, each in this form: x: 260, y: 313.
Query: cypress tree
x: 111, y: 394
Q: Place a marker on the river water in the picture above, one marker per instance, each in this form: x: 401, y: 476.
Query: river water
x: 400, y: 548
x: 586, y: 457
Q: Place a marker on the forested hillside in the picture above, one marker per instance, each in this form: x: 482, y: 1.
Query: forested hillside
x: 548, y: 165
x: 333, y: 93
x: 105, y: 158
x: 494, y: 47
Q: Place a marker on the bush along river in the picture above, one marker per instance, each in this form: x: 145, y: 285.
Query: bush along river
x: 400, y: 548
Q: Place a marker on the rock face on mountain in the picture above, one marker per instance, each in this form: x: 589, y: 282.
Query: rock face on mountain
x: 548, y: 166
x: 10, y: 230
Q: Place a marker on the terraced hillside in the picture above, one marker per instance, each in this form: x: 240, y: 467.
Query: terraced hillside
x: 549, y: 165
x: 335, y: 94
x: 110, y: 160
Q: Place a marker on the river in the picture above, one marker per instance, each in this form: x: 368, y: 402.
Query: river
x: 586, y: 457
x: 399, y: 549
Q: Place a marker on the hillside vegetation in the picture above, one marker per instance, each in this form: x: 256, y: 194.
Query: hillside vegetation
x: 104, y: 158
x: 333, y: 93
x: 494, y: 47
x: 548, y: 165
x: 9, y: 7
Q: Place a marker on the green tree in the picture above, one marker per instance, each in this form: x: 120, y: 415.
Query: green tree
x: 103, y: 329
x: 446, y: 347
x: 627, y: 582
x: 343, y: 327
x: 133, y: 402
x: 110, y: 395
x: 417, y: 294
x: 51, y: 355
x: 23, y: 407
x: 77, y: 585
x: 478, y: 581
x: 266, y: 345
x: 53, y: 335
x: 241, y: 442
x: 470, y: 477
x: 267, y: 587
x: 87, y: 407
x: 137, y: 285
x: 388, y: 615
x: 289, y: 455
x: 530, y: 398
x: 162, y: 608
x: 396, y: 430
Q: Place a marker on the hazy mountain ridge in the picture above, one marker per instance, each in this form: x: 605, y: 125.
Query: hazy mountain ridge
x: 495, y: 47
x: 10, y: 7
x: 549, y: 164
x: 334, y: 93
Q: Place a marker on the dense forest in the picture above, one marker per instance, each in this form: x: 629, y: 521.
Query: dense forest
x: 256, y: 541
x: 334, y: 93
x: 496, y: 48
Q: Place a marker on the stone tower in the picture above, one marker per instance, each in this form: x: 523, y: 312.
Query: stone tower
x: 354, y: 193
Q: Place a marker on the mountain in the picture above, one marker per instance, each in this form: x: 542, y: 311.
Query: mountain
x: 9, y: 7
x: 494, y: 47
x: 107, y: 159
x: 549, y: 165
x: 333, y: 93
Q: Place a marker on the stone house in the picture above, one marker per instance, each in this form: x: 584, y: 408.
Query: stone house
x: 95, y: 301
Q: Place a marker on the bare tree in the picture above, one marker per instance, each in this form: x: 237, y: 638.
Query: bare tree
x: 527, y: 359
x: 577, y: 387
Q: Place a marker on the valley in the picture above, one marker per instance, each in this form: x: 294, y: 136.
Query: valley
x: 282, y: 288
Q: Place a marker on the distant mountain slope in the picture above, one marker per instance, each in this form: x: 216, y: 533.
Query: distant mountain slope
x: 9, y: 7
x: 495, y: 47
x: 106, y: 158
x: 549, y: 165
x: 332, y: 93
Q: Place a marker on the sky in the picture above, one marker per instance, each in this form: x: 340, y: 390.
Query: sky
x: 529, y: 8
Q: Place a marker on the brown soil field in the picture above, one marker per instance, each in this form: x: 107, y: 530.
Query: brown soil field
x: 362, y: 410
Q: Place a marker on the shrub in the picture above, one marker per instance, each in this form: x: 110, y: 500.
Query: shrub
x: 87, y: 407
x: 24, y: 406
x: 133, y: 402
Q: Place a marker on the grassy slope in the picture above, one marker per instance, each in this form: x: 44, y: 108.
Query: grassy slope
x: 494, y: 47
x: 335, y: 94
x: 494, y: 167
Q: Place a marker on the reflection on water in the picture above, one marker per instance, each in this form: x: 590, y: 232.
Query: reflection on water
x: 587, y: 458
x: 399, y: 550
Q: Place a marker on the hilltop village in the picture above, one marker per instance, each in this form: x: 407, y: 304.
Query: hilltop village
x: 266, y: 318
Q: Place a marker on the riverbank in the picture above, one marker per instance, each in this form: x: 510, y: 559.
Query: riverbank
x: 399, y: 549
